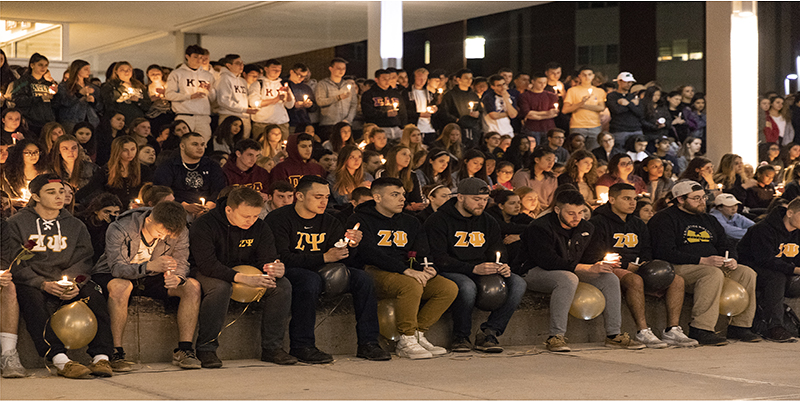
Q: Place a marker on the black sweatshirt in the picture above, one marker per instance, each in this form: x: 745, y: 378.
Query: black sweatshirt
x: 376, y: 103
x: 302, y: 243
x: 217, y: 246
x: 768, y: 245
x: 517, y: 225
x: 683, y: 238
x: 460, y: 243
x: 550, y: 246
x: 389, y: 242
x: 629, y: 238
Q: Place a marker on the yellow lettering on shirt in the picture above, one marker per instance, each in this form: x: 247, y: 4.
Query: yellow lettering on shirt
x: 789, y: 250
x: 309, y: 239
x: 629, y: 240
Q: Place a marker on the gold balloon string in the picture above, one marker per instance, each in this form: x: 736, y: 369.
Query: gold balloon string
x: 228, y: 325
x: 327, y: 315
x: 44, y: 333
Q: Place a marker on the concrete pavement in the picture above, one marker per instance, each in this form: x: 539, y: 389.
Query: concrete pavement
x: 737, y: 371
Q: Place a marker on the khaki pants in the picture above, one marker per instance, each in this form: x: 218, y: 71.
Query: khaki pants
x: 705, y: 282
x: 260, y: 128
x: 408, y: 292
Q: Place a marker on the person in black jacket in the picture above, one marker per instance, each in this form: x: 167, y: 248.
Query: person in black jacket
x: 507, y: 210
x: 555, y: 261
x: 694, y: 242
x: 772, y: 249
x: 466, y: 244
x: 232, y: 235
x: 395, y: 253
x: 618, y: 230
x: 33, y: 94
x: 307, y: 240
x: 384, y: 106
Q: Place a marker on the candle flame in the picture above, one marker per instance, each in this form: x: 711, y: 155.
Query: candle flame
x: 383, y: 160
x: 440, y: 90
x: 64, y: 278
x: 362, y: 145
x: 603, y: 198
x: 203, y: 201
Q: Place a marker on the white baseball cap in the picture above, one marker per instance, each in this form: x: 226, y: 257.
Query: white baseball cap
x: 625, y: 76
x: 685, y: 188
x: 726, y: 200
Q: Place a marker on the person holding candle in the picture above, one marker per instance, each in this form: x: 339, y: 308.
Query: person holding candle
x: 192, y: 176
x: 160, y: 113
x: 382, y: 105
x: 421, y: 104
x: 33, y: 93
x: 124, y: 93
x: 336, y: 97
x: 10, y: 365
x: 694, y: 242
x: 556, y: 259
x: 25, y: 162
x: 62, y: 249
x: 122, y: 176
x: 305, y: 103
x: 539, y: 108
x: 348, y: 175
x: 232, y: 93
x: 760, y: 196
x: 241, y: 168
x: 271, y: 99
x: 625, y: 108
x: 12, y: 126
x: 306, y: 240
x: 585, y: 102
x: 394, y: 252
x: 75, y: 100
x: 68, y: 161
x: 499, y: 106
x: 465, y: 244
x: 455, y: 108
x: 620, y: 169
x: 539, y: 175
x: 617, y: 230
x: 190, y: 91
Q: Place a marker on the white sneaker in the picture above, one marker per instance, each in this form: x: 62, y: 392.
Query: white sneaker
x: 10, y: 365
x: 408, y: 347
x: 676, y: 337
x: 649, y: 339
x: 428, y: 346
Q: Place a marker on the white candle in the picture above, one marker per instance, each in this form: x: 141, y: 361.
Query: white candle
x: 590, y: 90
x: 257, y: 103
x: 203, y: 201
x: 440, y: 90
x: 719, y: 186
x: 355, y: 227
x: 726, y: 255
x: 362, y: 145
x: 395, y: 105
x: 555, y: 106
x: 470, y: 105
x: 603, y: 198
x: 611, y: 258
x: 138, y: 201
x: 497, y: 260
x: 383, y: 160
x: 636, y: 262
x: 349, y: 86
x: 14, y: 140
x: 64, y: 282
x: 429, y: 110
x: 305, y: 98
x: 26, y: 194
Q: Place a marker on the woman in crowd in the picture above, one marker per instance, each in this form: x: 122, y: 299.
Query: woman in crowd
x: 620, y: 169
x: 695, y: 116
x: 731, y: 175
x: 150, y: 195
x: 84, y: 132
x: 539, y: 175
x: 580, y: 172
x: 529, y: 201
x: 636, y: 146
x: 25, y: 161
x: 791, y: 182
x: 177, y: 129
x: 507, y: 211
x: 575, y: 142
x: 491, y: 144
x: 644, y: 210
x: 398, y: 165
x: 139, y: 130
x: 100, y: 213
x: 790, y: 154
x: 272, y: 143
x: 519, y: 151
x: 7, y: 77
x: 349, y: 174
x: 49, y: 135
x: 679, y: 126
x: 689, y: 149
x: 651, y: 170
x: 412, y: 137
x: 122, y: 176
x: 504, y: 172
x: 701, y: 170
x: 225, y: 134
x: 778, y: 128
x: 450, y: 140
x: 770, y: 153
x: 75, y: 100
x: 125, y: 94
x: 606, y: 150
x: 436, y: 195
x: 761, y: 195
x: 366, y: 134
x: 67, y: 160
x: 379, y: 142
x: 13, y: 127
x: 657, y: 121
x: 33, y: 93
x: 435, y: 170
x: 111, y: 126
x: 160, y: 112
x: 341, y: 136
x: 473, y: 164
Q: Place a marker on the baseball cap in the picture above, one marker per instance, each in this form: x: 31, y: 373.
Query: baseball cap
x: 41, y: 180
x: 625, y: 76
x: 726, y: 200
x: 473, y: 186
x: 685, y: 187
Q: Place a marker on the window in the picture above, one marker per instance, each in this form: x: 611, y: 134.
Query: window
x: 427, y: 52
x: 20, y: 39
x: 680, y: 50
x: 474, y: 47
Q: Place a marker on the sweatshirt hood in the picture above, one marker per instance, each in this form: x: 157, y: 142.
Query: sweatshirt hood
x: 605, y: 210
x: 291, y: 148
x: 775, y: 218
x: 368, y: 208
x: 449, y: 208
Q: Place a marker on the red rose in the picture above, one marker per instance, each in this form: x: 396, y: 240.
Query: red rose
x: 30, y: 244
x: 80, y: 279
x: 412, y: 254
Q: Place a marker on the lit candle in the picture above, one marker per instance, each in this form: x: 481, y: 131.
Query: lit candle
x: 429, y: 110
x: 305, y: 98
x: 26, y: 194
x: 603, y: 198
x: 138, y: 201
x: 257, y: 103
x: 130, y: 91
x: 52, y: 91
x: 362, y: 145
x: 470, y: 105
x: 440, y: 90
x: 497, y: 260
x: 555, y: 106
x: 590, y: 90
x: 349, y: 86
x: 611, y: 258
x: 719, y: 186
x: 203, y: 201
x: 14, y: 140
x: 283, y: 144
x: 383, y: 160
x: 64, y: 282
x: 395, y: 105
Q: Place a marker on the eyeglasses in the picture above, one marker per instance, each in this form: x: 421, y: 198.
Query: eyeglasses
x: 698, y: 198
x: 34, y: 153
x: 625, y: 164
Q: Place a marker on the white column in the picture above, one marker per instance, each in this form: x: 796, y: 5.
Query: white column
x: 180, y: 47
x: 384, y: 35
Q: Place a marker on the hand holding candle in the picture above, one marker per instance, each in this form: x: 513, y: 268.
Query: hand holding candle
x: 611, y: 259
x: 203, y: 202
x: 497, y: 259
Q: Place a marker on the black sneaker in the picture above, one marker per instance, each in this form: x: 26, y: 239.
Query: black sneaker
x: 487, y: 343
x: 461, y: 344
x: 742, y: 334
x: 373, y: 352
x: 119, y: 363
x: 277, y: 356
x: 779, y: 334
x: 311, y: 355
x: 705, y: 337
x: 209, y: 360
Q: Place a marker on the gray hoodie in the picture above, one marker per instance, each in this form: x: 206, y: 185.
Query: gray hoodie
x: 333, y: 110
x: 63, y: 247
x: 122, y: 243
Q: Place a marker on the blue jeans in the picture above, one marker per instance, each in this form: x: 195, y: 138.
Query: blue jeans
x: 307, y: 286
x: 465, y: 302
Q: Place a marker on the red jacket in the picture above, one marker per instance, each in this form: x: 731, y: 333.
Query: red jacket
x: 293, y: 168
x: 256, y: 177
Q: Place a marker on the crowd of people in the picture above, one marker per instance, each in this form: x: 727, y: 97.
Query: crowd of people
x: 160, y: 182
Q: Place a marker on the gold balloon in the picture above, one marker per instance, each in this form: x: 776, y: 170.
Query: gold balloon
x: 588, y: 303
x: 74, y: 324
x: 387, y: 320
x: 734, y: 298
x: 244, y: 293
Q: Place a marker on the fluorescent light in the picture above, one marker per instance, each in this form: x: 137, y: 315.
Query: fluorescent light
x: 474, y: 47
x: 744, y: 86
x: 391, y: 29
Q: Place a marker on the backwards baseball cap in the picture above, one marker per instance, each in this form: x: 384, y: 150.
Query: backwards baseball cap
x: 726, y: 200
x: 685, y: 188
x: 625, y: 76
x: 473, y: 186
x: 41, y: 180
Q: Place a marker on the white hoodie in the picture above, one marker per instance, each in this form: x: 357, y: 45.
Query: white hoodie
x: 231, y: 93
x: 265, y: 89
x: 182, y: 84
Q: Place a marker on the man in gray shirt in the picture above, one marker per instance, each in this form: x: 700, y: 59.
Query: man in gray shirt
x: 336, y: 97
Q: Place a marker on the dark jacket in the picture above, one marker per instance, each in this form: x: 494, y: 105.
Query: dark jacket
x: 759, y: 197
x: 113, y: 90
x: 99, y: 184
x: 302, y: 243
x: 517, y: 225
x: 600, y: 153
x: 455, y: 109
x: 388, y: 241
x: 683, y: 238
x: 550, y: 246
x: 624, y: 118
x: 377, y: 102
x: 74, y: 108
x: 27, y: 95
x: 299, y: 116
x: 460, y: 243
x: 293, y: 168
x: 768, y: 245
x: 208, y: 181
x: 256, y: 177
x: 217, y: 246
x: 629, y: 238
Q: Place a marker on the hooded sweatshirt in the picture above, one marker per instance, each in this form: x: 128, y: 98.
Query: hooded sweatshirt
x: 256, y: 177
x: 769, y: 245
x: 123, y: 238
x: 182, y: 83
x: 629, y: 238
x: 377, y: 102
x: 293, y: 168
x: 231, y: 93
x: 27, y: 94
x: 389, y: 242
x: 460, y: 243
x: 63, y: 247
x: 263, y: 89
x: 550, y: 246
x: 333, y: 110
x: 683, y: 238
x: 217, y: 246
x: 302, y: 243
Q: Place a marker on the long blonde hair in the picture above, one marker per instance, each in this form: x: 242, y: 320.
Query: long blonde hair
x: 116, y: 168
x: 391, y: 168
x: 346, y: 182
x: 408, y: 130
x: 453, y: 147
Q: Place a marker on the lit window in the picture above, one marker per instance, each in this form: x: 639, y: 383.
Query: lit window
x: 474, y: 47
x: 427, y: 52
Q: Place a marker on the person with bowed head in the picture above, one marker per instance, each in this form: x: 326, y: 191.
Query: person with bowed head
x: 56, y: 274
x: 228, y: 236
x: 314, y: 244
x: 772, y: 249
x: 394, y: 253
x: 557, y: 259
x: 694, y: 242
x: 618, y: 231
x: 467, y: 246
